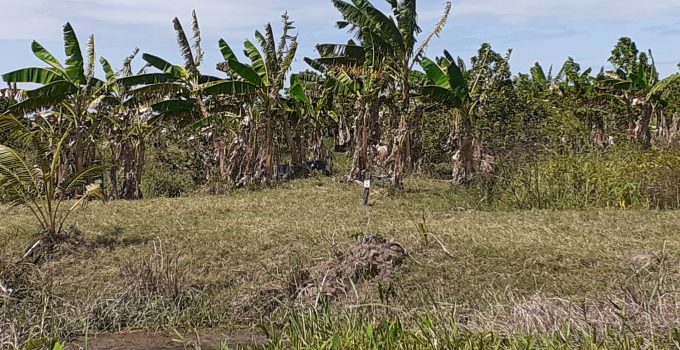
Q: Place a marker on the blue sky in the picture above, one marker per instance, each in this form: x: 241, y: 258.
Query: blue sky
x: 547, y: 31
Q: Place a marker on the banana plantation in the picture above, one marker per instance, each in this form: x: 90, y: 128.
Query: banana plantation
x: 434, y: 131
x: 377, y: 97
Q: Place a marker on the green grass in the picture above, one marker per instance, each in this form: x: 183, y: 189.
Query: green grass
x: 222, y: 256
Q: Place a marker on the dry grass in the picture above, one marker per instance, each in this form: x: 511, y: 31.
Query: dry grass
x: 244, y: 247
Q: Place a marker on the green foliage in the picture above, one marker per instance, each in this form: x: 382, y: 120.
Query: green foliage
x: 624, y: 55
x: 623, y: 178
x: 43, y: 188
x: 360, y: 329
x: 5, y: 103
x: 170, y: 173
x: 162, y: 181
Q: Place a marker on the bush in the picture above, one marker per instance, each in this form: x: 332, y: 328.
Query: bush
x: 160, y: 180
x: 441, y: 171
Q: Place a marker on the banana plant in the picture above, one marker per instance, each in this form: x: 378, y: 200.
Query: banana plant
x: 70, y: 90
x: 659, y: 96
x: 635, y: 82
x: 391, y: 51
x: 45, y: 187
x: 181, y: 92
x: 353, y: 74
x: 311, y: 100
x: 129, y: 123
x: 539, y: 76
x: 338, y: 76
x: 182, y: 89
x: 266, y: 74
x: 462, y: 90
x: 577, y: 90
x: 451, y: 85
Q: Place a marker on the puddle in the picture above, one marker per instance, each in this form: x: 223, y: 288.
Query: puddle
x: 145, y: 341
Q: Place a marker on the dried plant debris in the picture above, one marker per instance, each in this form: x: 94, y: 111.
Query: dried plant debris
x: 5, y: 291
x: 373, y: 259
x: 639, y: 261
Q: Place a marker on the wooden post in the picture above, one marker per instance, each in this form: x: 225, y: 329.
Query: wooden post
x: 367, y: 187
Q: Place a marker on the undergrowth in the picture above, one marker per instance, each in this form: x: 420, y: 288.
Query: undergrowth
x: 621, y: 178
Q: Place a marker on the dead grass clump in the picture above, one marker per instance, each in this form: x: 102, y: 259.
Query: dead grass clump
x: 162, y: 274
x: 639, y: 261
x: 260, y: 302
x: 29, y: 315
x: 53, y: 248
x: 158, y: 293
x: 373, y: 259
x: 648, y: 302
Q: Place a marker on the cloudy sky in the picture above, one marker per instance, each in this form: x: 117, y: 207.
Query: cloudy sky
x: 547, y: 31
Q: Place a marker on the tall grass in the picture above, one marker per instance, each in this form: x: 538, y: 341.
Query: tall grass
x: 351, y: 329
x: 622, y: 178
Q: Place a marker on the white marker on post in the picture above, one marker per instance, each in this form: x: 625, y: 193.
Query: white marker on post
x: 367, y: 187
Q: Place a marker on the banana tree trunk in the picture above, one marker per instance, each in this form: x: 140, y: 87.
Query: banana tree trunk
x: 300, y: 141
x: 317, y: 146
x: 400, y: 153
x: 344, y: 136
x: 267, y: 161
x: 220, y: 149
x: 298, y: 167
x: 133, y: 165
x: 360, y: 156
x: 644, y: 132
x: 235, y: 166
x: 113, y: 175
x: 401, y: 147
x: 252, y: 154
x: 463, y: 161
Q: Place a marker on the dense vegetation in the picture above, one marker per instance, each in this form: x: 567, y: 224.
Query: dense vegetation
x: 563, y: 139
x: 376, y: 97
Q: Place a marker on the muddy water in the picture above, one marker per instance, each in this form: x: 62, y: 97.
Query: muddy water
x: 145, y: 341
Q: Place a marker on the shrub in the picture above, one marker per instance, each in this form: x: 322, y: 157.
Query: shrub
x: 160, y: 180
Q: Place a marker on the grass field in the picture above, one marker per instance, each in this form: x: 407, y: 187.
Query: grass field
x: 227, y: 261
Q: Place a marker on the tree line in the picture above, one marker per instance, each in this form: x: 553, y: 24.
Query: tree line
x: 376, y: 96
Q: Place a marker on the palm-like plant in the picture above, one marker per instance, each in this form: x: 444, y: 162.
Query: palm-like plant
x: 43, y: 188
x: 463, y: 91
x: 129, y: 124
x: 450, y: 85
x: 267, y: 73
x: 182, y: 91
x: 347, y: 73
x: 311, y: 100
x: 390, y: 47
x: 71, y: 90
x: 635, y: 81
x: 659, y: 96
x: 578, y: 92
